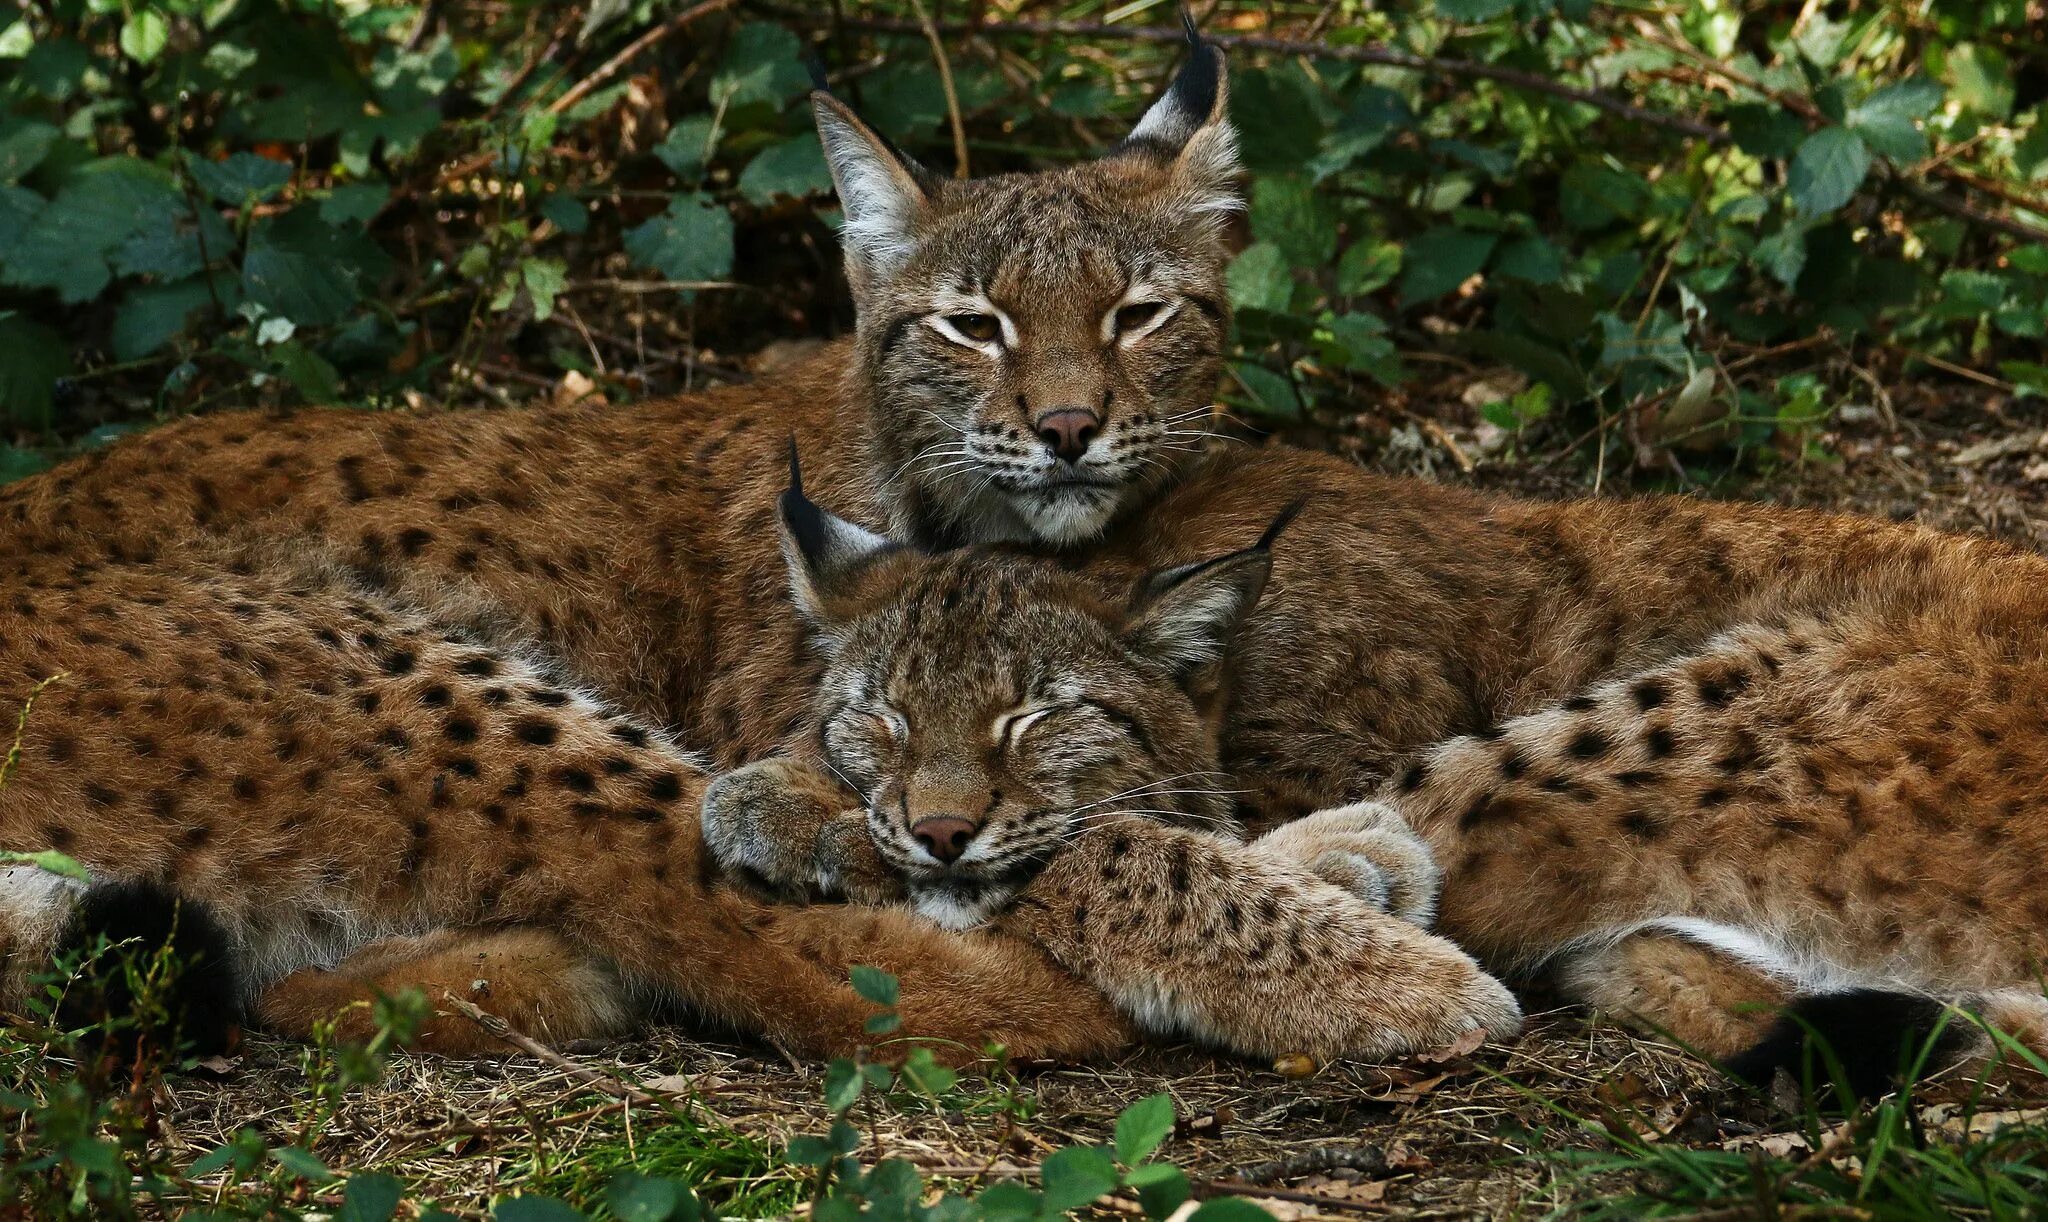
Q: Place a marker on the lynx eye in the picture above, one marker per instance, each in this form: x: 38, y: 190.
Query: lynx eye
x: 980, y: 328
x: 1011, y: 726
x: 1137, y: 315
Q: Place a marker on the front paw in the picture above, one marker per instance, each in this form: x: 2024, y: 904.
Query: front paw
x: 850, y: 868
x: 1368, y: 849
x: 763, y: 823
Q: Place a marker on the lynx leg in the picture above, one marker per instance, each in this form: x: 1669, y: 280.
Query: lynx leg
x: 1704, y: 998
x: 534, y: 980
x: 1197, y: 936
x: 1369, y: 850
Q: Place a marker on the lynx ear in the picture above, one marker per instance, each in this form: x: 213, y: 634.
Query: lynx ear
x: 1185, y: 616
x: 881, y: 190
x: 1190, y: 126
x: 825, y: 553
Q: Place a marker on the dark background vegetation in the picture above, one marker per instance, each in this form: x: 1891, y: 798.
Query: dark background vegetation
x: 1793, y: 249
x: 1673, y: 241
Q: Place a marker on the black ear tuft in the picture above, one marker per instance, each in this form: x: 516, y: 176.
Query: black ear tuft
x: 815, y: 65
x: 1193, y: 91
x: 1281, y: 523
x: 1187, y: 22
x: 807, y: 524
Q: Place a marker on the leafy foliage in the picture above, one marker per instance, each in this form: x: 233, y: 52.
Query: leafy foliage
x: 207, y: 204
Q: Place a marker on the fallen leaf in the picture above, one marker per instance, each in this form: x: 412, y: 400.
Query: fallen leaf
x: 1414, y: 1092
x: 1464, y: 1046
x: 1295, y: 1065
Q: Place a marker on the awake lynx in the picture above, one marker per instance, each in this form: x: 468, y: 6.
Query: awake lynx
x: 1685, y: 756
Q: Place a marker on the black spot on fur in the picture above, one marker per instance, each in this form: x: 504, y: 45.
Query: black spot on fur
x: 1650, y: 694
x: 1412, y: 779
x: 632, y: 736
x: 1588, y: 745
x: 477, y: 668
x: 665, y: 788
x: 1580, y: 704
x: 1660, y: 744
x: 576, y: 779
x: 435, y: 697
x: 537, y: 731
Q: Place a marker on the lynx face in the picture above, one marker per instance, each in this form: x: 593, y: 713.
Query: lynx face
x: 1041, y: 349
x: 988, y: 707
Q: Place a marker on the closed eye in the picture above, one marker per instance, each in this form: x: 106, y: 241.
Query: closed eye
x: 1011, y: 726
x: 1135, y: 319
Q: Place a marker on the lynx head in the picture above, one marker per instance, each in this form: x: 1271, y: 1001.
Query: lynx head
x: 1040, y: 351
x: 988, y: 705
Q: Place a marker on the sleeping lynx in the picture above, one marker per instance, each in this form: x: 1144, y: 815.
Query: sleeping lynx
x: 1686, y: 756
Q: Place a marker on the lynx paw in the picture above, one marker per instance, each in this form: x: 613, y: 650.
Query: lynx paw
x: 1369, y: 850
x: 763, y: 822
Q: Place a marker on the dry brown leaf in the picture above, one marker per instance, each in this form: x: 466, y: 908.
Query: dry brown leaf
x: 1464, y: 1046
x: 1295, y: 1065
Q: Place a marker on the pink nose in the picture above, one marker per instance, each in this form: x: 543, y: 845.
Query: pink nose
x: 1067, y: 433
x: 944, y: 836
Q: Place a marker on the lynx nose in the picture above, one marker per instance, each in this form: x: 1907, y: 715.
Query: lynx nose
x: 1068, y: 431
x: 944, y: 836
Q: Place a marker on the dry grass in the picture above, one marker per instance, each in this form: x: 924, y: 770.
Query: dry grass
x: 1455, y: 1134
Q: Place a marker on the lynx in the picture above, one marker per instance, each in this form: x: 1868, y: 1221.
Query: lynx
x: 1697, y: 761
x: 387, y: 699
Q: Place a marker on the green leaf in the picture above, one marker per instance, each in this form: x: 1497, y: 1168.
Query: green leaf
x: 1473, y: 10
x: 1829, y: 167
x: 795, y: 167
x: 1076, y: 1176
x: 50, y: 860
x: 19, y: 463
x: 763, y: 63
x: 1820, y: 38
x: 809, y: 1152
x: 1161, y: 1188
x: 1966, y: 293
x: 544, y: 280
x: 144, y: 34
x: 211, y: 1161
x: 876, y: 985
x: 1141, y: 1127
x: 241, y: 180
x: 882, y: 1024
x: 302, y: 1164
x: 173, y: 243
x: 1440, y: 260
x: 1532, y: 259
x: 1367, y: 266
x: 567, y: 212
x: 535, y: 1209
x: 1260, y: 279
x: 355, y: 203
x: 23, y: 145
x: 1887, y: 118
x: 1783, y: 254
x: 843, y: 1084
x: 692, y: 240
x: 923, y: 1073
x: 54, y: 67
x: 152, y: 315
x: 1982, y: 79
x: 370, y: 1197
x: 1272, y: 395
x: 36, y: 358
x: 65, y: 246
x: 1229, y: 1209
x: 307, y: 371
x: 638, y: 1198
x: 1592, y: 195
x: 903, y: 97
x: 1289, y: 212
x: 300, y: 267
x: 1764, y: 130
x: 1009, y: 1201
x: 1275, y: 112
x: 687, y: 146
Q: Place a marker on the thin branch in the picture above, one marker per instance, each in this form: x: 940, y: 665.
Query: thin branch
x: 931, y: 34
x: 610, y: 68
x: 610, y: 1084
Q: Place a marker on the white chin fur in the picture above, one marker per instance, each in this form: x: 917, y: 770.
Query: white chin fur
x: 1073, y: 515
x: 949, y: 912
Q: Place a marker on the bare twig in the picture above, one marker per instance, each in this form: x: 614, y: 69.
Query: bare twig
x: 931, y: 34
x: 610, y: 68
x: 610, y: 1084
